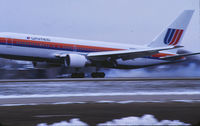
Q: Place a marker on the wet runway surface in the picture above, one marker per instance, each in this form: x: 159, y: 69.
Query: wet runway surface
x: 99, y: 91
x: 97, y: 87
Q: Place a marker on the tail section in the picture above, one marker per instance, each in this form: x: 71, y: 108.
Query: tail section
x: 173, y: 34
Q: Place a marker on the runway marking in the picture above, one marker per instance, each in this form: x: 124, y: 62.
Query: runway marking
x: 47, y: 116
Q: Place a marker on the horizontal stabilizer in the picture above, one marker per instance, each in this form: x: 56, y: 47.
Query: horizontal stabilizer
x: 178, y: 56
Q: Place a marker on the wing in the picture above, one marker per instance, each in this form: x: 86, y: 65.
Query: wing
x: 128, y: 54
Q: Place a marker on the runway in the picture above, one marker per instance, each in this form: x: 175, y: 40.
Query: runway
x: 98, y: 90
x: 117, y: 99
x: 97, y: 100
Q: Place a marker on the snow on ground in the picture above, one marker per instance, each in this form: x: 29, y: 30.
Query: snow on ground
x: 72, y: 122
x: 144, y: 120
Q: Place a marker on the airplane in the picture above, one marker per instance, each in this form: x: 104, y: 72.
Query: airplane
x: 74, y: 53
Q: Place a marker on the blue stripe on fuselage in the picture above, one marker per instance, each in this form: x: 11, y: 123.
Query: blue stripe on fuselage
x: 54, y: 48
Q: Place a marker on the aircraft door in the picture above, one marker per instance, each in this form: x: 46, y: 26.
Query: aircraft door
x: 9, y: 42
x: 74, y: 48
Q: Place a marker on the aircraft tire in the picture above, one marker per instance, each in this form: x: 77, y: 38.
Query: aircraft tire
x: 77, y: 75
x: 98, y: 74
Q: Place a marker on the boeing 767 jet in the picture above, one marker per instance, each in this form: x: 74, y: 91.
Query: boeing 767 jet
x: 74, y: 53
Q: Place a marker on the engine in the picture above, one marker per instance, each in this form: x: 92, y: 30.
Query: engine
x: 75, y: 60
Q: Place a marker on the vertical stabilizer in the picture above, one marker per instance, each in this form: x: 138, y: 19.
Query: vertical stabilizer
x: 173, y: 34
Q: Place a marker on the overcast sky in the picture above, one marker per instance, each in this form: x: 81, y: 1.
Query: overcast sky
x: 122, y: 21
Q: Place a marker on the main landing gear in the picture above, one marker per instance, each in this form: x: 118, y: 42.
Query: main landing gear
x: 77, y: 75
x: 93, y: 75
x: 98, y: 74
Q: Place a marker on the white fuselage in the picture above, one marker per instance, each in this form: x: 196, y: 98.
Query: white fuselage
x: 34, y: 46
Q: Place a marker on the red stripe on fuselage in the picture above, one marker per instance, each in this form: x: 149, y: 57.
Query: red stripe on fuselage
x: 162, y: 55
x: 56, y: 45
x: 159, y: 55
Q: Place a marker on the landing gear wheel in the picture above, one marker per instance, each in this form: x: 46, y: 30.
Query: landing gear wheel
x: 77, y: 75
x: 98, y: 74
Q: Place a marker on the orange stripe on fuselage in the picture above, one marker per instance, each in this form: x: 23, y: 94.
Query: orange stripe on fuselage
x: 165, y: 54
x: 162, y: 55
x: 54, y: 44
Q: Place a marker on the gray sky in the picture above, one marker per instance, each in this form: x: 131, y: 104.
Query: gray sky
x: 122, y: 21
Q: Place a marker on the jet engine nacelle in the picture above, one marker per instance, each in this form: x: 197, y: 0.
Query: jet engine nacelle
x: 75, y: 60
